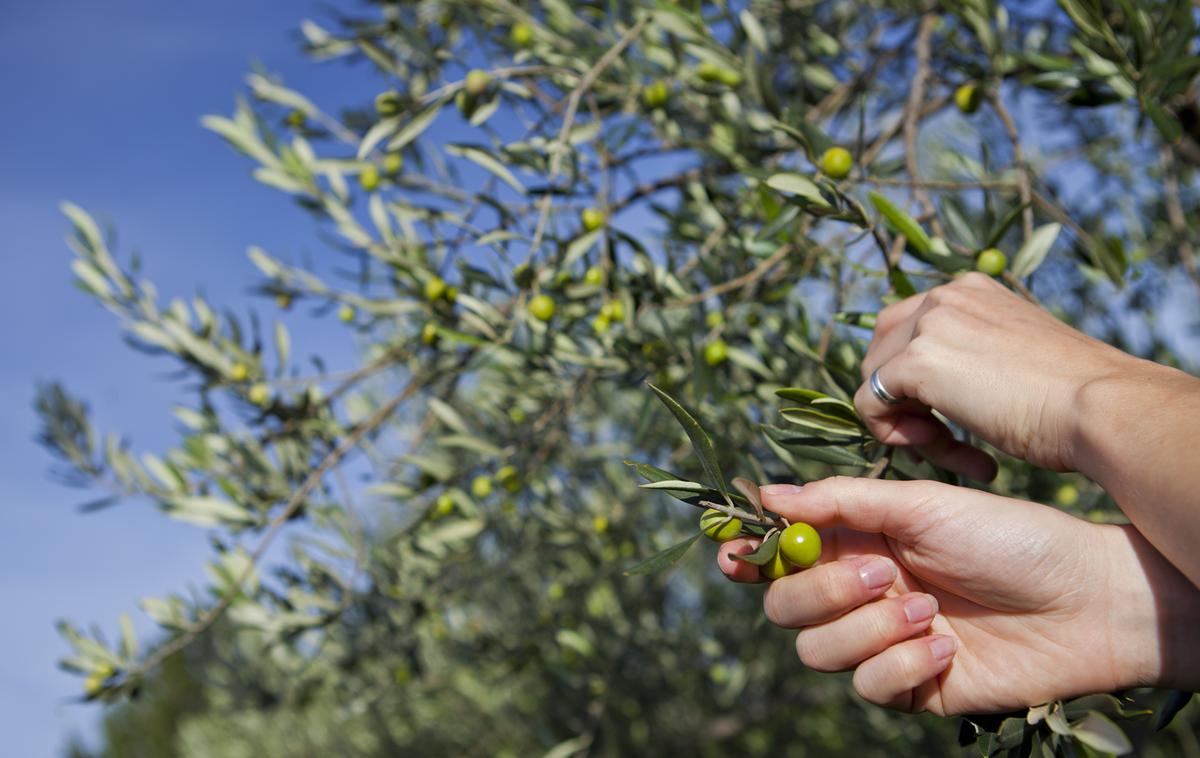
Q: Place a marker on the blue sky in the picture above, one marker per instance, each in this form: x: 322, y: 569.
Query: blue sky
x: 101, y: 106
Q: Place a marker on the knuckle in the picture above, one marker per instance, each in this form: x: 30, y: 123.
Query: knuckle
x: 975, y: 279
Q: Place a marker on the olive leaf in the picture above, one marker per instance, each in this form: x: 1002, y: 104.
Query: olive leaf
x: 900, y: 282
x: 799, y: 185
x: 665, y: 559
x: 765, y: 552
x: 1035, y: 249
x: 863, y: 319
x: 998, y: 231
x: 814, y: 448
x: 799, y: 394
x: 750, y: 491
x: 902, y: 223
x: 701, y: 442
x: 1097, y: 731
x: 821, y: 422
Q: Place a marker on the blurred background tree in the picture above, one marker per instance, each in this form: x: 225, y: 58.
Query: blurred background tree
x: 547, y: 205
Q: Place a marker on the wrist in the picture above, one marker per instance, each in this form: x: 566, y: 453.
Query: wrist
x: 1102, y: 413
x: 1153, y: 611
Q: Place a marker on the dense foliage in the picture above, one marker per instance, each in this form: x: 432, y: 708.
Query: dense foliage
x: 548, y: 205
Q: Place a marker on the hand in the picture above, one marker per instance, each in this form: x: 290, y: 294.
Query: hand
x: 955, y: 601
x: 988, y: 360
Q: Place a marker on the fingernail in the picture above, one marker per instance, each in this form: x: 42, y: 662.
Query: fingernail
x: 942, y: 647
x: 878, y: 573
x: 920, y: 608
x: 779, y: 489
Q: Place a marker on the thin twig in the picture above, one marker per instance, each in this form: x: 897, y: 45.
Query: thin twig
x: 739, y: 282
x: 912, y: 114
x: 746, y: 516
x: 1024, y: 182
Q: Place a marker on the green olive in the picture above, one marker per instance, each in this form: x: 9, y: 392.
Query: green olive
x: 777, y: 567
x: 481, y: 486
x: 435, y: 287
x: 346, y: 314
x: 718, y: 526
x: 393, y: 162
x: 1067, y: 495
x: 521, y: 35
x: 429, y: 334
x: 296, y: 118
x: 387, y: 103
x: 238, y: 372
x: 592, y: 218
x: 368, y: 178
x: 991, y: 262
x: 716, y: 353
x: 800, y: 544
x: 837, y: 162
x: 542, y: 307
x: 594, y: 276
x: 656, y: 94
x: 968, y: 98
x: 259, y: 394
x: 477, y: 83
x: 444, y: 505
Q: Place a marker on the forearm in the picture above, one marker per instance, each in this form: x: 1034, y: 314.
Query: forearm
x: 1138, y: 434
x: 1153, y: 614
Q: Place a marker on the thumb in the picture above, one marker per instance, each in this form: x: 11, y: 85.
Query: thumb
x: 903, y: 510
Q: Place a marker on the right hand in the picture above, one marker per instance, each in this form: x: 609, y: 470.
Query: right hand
x: 990, y: 361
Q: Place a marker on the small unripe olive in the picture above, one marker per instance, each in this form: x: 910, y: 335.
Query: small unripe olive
x: 600, y: 524
x: 991, y: 262
x: 387, y: 103
x: 477, y: 83
x: 718, y: 526
x: 837, y: 162
x: 600, y: 324
x: 466, y: 103
x: 429, y: 334
x: 435, y: 287
x: 393, y: 162
x: 713, y: 73
x: 968, y: 98
x: 296, y: 118
x: 93, y: 685
x: 613, y: 310
x: 346, y: 313
x: 238, y: 372
x: 368, y: 178
x: 592, y: 218
x: 594, y: 276
x: 481, y: 486
x: 716, y: 353
x: 452, y: 295
x: 542, y: 307
x: 516, y: 414
x: 713, y: 319
x: 283, y: 301
x: 1067, y: 495
x: 259, y: 394
x: 777, y: 567
x: 508, y: 476
x: 800, y: 544
x: 521, y: 34
x: 656, y: 94
x: 555, y: 591
x: 444, y: 505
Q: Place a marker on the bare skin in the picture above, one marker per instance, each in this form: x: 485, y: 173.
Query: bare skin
x: 988, y: 593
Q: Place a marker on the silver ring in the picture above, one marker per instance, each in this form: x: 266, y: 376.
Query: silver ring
x: 881, y: 391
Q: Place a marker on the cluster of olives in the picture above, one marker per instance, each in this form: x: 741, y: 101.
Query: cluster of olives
x: 798, y: 548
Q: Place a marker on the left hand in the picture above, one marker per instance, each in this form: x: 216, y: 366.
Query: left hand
x: 954, y: 601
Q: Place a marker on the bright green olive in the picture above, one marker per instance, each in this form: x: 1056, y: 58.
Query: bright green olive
x: 613, y: 310
x: 594, y: 276
x: 718, y: 526
x: 393, y: 162
x: 713, y: 319
x: 296, y: 118
x: 777, y: 567
x: 259, y: 394
x: 508, y: 476
x: 444, y: 505
x: 656, y: 94
x: 600, y: 524
x: 387, y: 103
x: 477, y: 83
x: 368, y: 178
x: 542, y: 307
x: 991, y: 262
x: 435, y: 287
x: 1067, y: 495
x: 555, y: 591
x: 800, y: 544
x: 712, y: 73
x: 238, y: 372
x: 968, y: 98
x: 346, y: 314
x: 429, y: 334
x: 521, y: 35
x: 600, y: 324
x: 837, y: 162
x: 481, y: 486
x: 592, y: 218
x: 93, y: 685
x: 716, y: 353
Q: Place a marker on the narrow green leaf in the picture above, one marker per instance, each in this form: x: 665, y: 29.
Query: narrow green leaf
x: 1097, y: 731
x: 665, y: 559
x: 821, y: 422
x: 902, y: 223
x: 765, y: 552
x: 900, y: 283
x: 799, y: 394
x: 797, y: 184
x: 701, y: 442
x: 488, y: 162
x: 416, y: 126
x: 1035, y: 249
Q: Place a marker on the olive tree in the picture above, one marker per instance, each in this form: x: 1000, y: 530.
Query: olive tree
x: 549, y: 206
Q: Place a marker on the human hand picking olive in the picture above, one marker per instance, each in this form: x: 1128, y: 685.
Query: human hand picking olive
x: 957, y: 601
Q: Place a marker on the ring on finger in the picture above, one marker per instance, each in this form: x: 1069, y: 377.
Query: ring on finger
x: 881, y: 391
